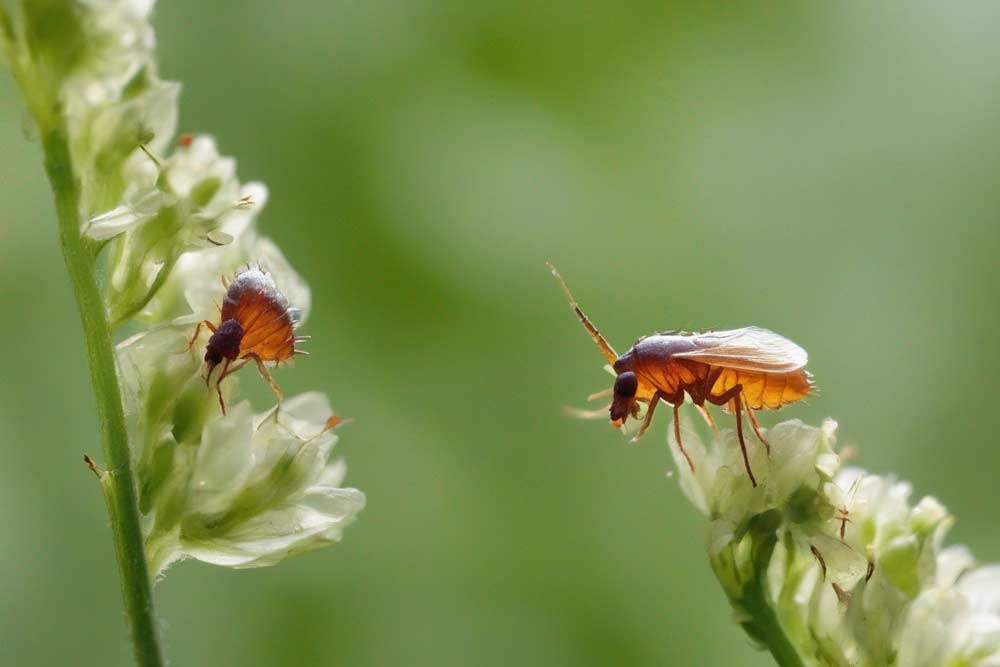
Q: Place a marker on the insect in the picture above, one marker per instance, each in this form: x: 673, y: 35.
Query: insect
x: 843, y: 514
x: 741, y: 370
x: 256, y: 324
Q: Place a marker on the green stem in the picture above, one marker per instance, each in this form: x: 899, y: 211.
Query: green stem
x: 742, y: 573
x: 117, y: 482
x: 765, y: 626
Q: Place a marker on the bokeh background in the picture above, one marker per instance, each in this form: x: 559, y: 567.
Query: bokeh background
x: 827, y: 170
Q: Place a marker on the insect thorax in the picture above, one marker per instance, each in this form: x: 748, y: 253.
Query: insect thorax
x: 660, y: 347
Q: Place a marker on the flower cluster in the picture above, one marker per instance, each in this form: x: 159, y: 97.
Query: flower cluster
x: 171, y: 219
x: 835, y: 567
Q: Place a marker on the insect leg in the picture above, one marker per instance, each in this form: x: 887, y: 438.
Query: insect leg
x: 708, y: 419
x: 227, y: 370
x: 735, y: 394
x: 677, y: 434
x: 739, y: 433
x: 703, y: 392
x: 601, y: 394
x: 267, y: 376
x: 653, y: 402
x: 218, y: 389
x: 756, y: 426
x: 197, y: 330
x: 601, y: 413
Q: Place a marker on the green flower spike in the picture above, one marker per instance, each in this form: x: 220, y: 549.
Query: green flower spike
x: 148, y: 229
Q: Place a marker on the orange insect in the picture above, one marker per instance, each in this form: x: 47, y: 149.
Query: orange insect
x: 256, y: 324
x: 743, y: 369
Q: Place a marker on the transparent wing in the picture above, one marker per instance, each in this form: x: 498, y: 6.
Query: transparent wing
x: 750, y: 348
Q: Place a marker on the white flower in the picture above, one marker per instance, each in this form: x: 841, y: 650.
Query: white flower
x: 240, y: 489
x: 259, y: 489
x: 193, y: 201
x: 193, y: 292
x: 719, y: 485
x: 105, y: 140
x: 121, y: 43
x: 840, y: 565
x: 957, y: 620
x: 943, y: 628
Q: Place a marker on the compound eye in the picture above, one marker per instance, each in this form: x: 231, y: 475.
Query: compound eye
x: 626, y: 384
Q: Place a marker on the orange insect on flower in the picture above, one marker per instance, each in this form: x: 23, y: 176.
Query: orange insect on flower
x: 256, y: 324
x: 743, y: 369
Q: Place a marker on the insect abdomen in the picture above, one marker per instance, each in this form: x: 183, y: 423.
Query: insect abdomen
x: 672, y: 375
x: 765, y: 390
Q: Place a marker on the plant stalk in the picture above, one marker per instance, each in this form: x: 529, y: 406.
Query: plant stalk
x: 744, y: 579
x: 763, y: 623
x: 765, y: 626
x: 117, y: 481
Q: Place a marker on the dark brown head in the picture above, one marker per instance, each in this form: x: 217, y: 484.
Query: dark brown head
x: 624, y: 404
x: 224, y: 343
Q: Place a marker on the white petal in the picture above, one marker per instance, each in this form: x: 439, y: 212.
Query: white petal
x: 691, y: 483
x: 114, y: 222
x: 952, y: 563
x: 307, y: 414
x: 982, y: 588
x: 794, y: 448
x: 225, y: 461
x: 288, y: 281
x: 844, y: 566
x: 928, y: 514
x: 273, y: 536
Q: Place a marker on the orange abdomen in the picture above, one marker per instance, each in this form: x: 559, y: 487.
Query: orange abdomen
x: 669, y: 376
x: 761, y: 390
x: 765, y: 390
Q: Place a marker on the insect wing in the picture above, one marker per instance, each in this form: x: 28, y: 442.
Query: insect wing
x: 749, y: 348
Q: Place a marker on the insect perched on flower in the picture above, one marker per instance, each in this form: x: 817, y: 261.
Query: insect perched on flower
x: 256, y: 324
x: 743, y: 369
x: 842, y: 514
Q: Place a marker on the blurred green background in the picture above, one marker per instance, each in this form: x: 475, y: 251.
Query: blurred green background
x: 825, y: 170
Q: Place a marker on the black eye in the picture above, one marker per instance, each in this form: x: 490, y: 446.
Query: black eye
x: 626, y: 384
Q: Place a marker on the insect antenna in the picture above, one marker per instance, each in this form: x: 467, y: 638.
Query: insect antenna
x: 609, y: 352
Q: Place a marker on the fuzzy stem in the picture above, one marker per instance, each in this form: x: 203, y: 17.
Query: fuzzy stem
x: 116, y: 482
